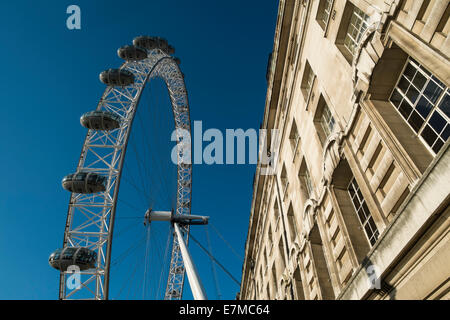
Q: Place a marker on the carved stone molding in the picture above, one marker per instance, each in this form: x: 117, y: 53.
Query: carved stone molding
x: 370, y: 49
x: 309, y: 216
x: 331, y: 156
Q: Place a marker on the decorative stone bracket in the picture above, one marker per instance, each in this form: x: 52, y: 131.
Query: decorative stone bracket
x: 309, y: 217
x: 370, y: 49
x: 331, y: 156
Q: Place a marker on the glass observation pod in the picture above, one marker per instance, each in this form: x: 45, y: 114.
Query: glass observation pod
x: 84, y: 182
x: 117, y: 77
x: 83, y: 258
x: 150, y: 43
x: 132, y: 53
x: 100, y: 120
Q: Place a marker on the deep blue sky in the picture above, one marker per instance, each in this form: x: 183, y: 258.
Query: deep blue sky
x: 50, y: 77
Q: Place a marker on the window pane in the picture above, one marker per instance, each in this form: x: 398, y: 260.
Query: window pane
x: 412, y: 94
x: 429, y: 135
x: 361, y: 215
x: 410, y: 71
x: 416, y: 121
x: 403, y: 85
x: 405, y: 109
x: 445, y: 104
x: 419, y: 81
x: 446, y: 133
x: 424, y: 107
x: 365, y: 209
x: 438, y: 145
x: 373, y: 226
x: 396, y: 98
x: 437, y: 122
x: 351, y: 190
x: 432, y: 92
x: 356, y: 204
x: 439, y: 83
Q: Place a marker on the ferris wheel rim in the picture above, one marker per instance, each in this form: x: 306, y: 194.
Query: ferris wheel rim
x: 148, y: 78
x: 151, y: 74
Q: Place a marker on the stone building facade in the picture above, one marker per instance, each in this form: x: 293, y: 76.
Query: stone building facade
x: 358, y: 207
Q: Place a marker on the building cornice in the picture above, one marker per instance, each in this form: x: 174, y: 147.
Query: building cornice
x: 276, y: 71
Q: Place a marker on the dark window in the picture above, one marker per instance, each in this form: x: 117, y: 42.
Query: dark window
x: 423, y: 101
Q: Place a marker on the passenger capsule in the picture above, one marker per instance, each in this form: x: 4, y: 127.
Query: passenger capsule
x: 100, y: 120
x: 132, y: 53
x: 117, y: 77
x: 84, y: 182
x: 83, y: 258
x: 151, y: 43
x: 147, y: 42
x: 177, y: 61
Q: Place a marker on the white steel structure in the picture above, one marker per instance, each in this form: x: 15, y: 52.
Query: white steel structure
x: 90, y: 218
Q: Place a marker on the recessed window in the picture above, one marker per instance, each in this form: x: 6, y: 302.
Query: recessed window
x: 359, y: 22
x: 324, y: 121
x: 284, y: 180
x: 366, y: 219
x: 324, y: 12
x: 354, y: 23
x: 308, y: 182
x: 424, y: 102
x: 327, y: 121
x: 305, y: 181
x: 307, y: 81
x: 294, y: 137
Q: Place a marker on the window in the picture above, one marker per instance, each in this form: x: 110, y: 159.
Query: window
x: 284, y: 180
x: 327, y: 121
x: 324, y: 12
x: 359, y: 22
x: 365, y: 218
x: 424, y: 102
x: 324, y: 121
x: 292, y: 225
x: 307, y: 81
x: 305, y: 180
x: 294, y: 137
x: 308, y: 182
x: 270, y: 238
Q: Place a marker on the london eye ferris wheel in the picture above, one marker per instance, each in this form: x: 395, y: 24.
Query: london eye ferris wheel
x: 96, y: 206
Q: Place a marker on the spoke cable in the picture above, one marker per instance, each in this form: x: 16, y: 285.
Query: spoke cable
x: 226, y: 242
x: 214, y: 259
x: 213, y: 268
